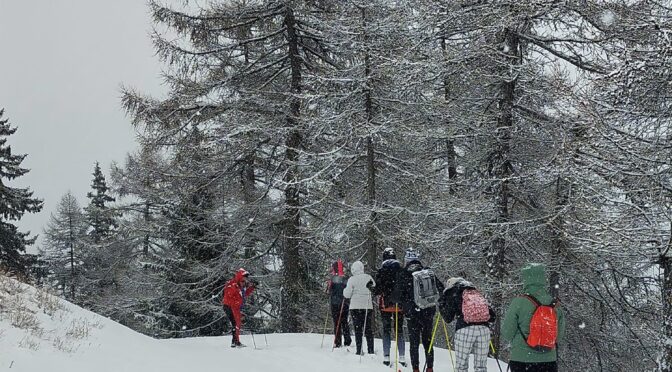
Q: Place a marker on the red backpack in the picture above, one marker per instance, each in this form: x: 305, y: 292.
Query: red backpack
x: 543, y: 333
x: 474, y: 307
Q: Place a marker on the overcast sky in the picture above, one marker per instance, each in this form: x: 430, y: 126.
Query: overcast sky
x: 61, y: 67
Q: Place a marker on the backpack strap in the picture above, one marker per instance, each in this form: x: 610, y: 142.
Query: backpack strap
x: 532, y: 299
x: 536, y: 302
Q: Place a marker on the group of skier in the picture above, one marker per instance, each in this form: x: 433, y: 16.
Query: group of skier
x: 533, y: 324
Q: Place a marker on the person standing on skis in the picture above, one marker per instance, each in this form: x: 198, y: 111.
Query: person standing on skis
x: 534, y: 324
x: 473, y: 316
x: 235, y: 292
x: 390, y: 311
x: 358, y: 290
x: 419, y: 320
x: 339, y: 305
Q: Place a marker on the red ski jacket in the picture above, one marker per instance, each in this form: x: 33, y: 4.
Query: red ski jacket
x: 233, y: 290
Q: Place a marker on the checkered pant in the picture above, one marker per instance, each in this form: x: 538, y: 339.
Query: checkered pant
x: 472, y: 340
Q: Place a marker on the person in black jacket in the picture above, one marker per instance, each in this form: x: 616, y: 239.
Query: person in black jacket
x: 339, y: 305
x: 471, y: 337
x: 386, y: 278
x: 419, y: 320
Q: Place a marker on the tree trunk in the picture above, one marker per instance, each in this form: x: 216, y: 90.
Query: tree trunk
x: 559, y: 241
x: 72, y: 258
x: 145, y: 242
x: 371, y: 236
x: 293, y: 262
x: 451, y: 155
x: 501, y: 170
x: 665, y: 363
x: 248, y: 180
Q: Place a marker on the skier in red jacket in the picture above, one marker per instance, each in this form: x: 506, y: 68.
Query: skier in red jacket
x: 235, y: 293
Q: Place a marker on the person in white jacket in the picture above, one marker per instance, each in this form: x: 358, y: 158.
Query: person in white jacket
x: 358, y: 290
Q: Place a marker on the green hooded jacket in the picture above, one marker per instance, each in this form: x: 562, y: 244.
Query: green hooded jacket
x: 519, y: 313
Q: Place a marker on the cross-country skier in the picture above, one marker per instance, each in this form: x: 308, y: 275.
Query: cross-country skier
x: 358, y: 290
x: 535, y: 306
x: 233, y: 298
x: 419, y: 320
x: 390, y: 311
x: 463, y: 302
x: 339, y: 305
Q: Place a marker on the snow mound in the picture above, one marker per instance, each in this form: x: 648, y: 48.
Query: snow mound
x: 41, y: 332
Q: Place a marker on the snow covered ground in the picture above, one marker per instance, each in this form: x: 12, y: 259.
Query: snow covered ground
x: 40, y: 332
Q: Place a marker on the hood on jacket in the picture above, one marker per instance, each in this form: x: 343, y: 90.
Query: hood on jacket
x: 457, y: 282
x: 535, y: 282
x: 240, y: 274
x: 391, y: 263
x: 357, y: 268
x: 337, y: 268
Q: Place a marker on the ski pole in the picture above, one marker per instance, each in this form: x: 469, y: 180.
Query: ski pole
x: 324, y: 333
x: 436, y: 325
x: 431, y: 342
x: 494, y: 353
x: 253, y: 342
x: 450, y: 351
x: 396, y: 337
x: 366, y: 313
x: 338, y: 324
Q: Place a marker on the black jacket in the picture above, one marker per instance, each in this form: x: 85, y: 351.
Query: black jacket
x: 450, y: 306
x: 403, y: 291
x: 386, y: 277
x: 336, y: 287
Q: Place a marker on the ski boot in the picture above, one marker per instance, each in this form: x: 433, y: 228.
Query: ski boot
x: 386, y: 360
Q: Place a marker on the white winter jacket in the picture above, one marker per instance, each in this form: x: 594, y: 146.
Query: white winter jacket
x: 355, y: 290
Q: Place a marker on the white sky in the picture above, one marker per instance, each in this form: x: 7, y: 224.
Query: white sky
x: 61, y: 67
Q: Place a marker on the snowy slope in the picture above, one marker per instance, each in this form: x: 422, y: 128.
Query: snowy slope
x: 40, y: 332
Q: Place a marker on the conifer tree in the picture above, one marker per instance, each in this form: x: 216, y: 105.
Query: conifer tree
x: 14, y: 202
x: 99, y: 215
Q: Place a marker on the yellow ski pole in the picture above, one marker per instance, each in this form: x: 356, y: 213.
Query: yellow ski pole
x: 494, y: 353
x: 450, y: 351
x: 436, y: 325
x: 396, y: 337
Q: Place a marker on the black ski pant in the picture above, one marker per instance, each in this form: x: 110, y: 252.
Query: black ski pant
x: 235, y: 323
x: 420, y: 329
x: 341, y: 327
x: 533, y: 367
x: 362, y: 321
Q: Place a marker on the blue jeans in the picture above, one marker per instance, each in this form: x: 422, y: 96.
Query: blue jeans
x: 388, y: 332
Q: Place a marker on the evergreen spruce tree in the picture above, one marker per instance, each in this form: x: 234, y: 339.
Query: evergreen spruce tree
x: 14, y: 202
x: 99, y: 215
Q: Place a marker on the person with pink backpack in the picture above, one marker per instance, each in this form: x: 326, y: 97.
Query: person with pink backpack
x: 462, y: 302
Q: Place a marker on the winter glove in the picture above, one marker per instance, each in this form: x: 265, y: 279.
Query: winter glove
x: 370, y: 285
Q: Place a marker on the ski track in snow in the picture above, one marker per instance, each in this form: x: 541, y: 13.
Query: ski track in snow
x: 65, y: 337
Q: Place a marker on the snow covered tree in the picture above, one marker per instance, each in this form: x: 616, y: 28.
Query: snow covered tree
x: 242, y: 70
x: 64, y: 239
x: 14, y: 203
x: 98, y: 213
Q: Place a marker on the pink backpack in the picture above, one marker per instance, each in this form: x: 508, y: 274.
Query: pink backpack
x: 474, y: 307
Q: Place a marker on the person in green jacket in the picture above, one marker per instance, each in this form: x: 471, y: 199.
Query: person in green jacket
x: 516, y: 324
